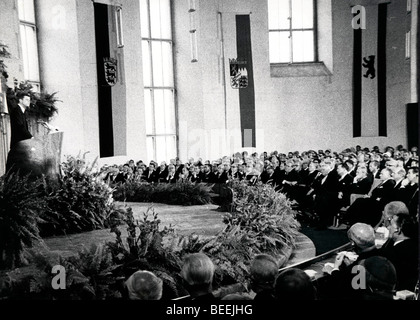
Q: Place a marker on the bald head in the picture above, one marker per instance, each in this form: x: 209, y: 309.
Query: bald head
x: 362, y: 235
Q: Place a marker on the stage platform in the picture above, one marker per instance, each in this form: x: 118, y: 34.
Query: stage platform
x: 203, y: 220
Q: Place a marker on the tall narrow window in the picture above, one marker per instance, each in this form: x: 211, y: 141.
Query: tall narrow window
x: 29, y: 44
x: 292, y: 31
x: 158, y: 76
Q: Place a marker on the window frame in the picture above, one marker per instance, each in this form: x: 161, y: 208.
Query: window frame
x: 36, y: 83
x: 290, y: 30
x: 149, y: 39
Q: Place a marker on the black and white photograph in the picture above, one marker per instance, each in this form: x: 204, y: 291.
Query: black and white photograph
x: 195, y: 152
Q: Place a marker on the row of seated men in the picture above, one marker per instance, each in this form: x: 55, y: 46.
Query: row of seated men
x: 321, y: 184
x: 385, y: 272
x: 242, y: 165
x: 361, y: 192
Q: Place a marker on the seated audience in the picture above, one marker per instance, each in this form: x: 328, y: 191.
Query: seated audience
x: 263, y: 272
x: 409, y: 191
x: 403, y: 252
x: 184, y: 175
x: 170, y: 178
x: 374, y: 169
x: 197, y: 272
x: 351, y: 167
x: 382, y: 228
x: 144, y: 285
x: 294, y: 284
x: 344, y: 184
x: 362, y: 236
x: 207, y: 176
x: 380, y: 279
x: 369, y: 208
x: 151, y: 175
x: 270, y: 178
x: 362, y: 182
x: 162, y: 171
x: 124, y: 175
x: 195, y: 175
x: 326, y: 195
x: 290, y: 179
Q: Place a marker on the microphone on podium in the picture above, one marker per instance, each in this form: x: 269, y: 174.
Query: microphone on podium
x: 48, y: 126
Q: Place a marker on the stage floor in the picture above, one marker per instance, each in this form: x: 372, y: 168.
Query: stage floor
x: 203, y: 220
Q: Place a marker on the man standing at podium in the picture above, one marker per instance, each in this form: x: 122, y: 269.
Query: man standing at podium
x: 18, y: 122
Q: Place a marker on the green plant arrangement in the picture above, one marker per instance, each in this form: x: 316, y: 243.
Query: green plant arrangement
x: 21, y: 201
x: 264, y: 214
x: 100, y: 272
x: 81, y: 201
x: 181, y: 193
x: 88, y: 276
x: 4, y: 53
x: 43, y: 104
x: 148, y: 247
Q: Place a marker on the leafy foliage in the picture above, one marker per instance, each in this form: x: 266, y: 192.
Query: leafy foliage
x: 88, y: 276
x: 262, y: 221
x: 80, y: 202
x: 181, y: 193
x: 264, y: 215
x: 4, y: 53
x: 43, y: 104
x: 31, y: 209
x: 144, y: 249
x: 20, y: 202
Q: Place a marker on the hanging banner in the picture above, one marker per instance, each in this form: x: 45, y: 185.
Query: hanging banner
x: 111, y: 76
x: 369, y: 69
x: 238, y: 74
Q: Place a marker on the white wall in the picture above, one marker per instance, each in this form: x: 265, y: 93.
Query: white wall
x: 292, y: 113
x: 68, y: 62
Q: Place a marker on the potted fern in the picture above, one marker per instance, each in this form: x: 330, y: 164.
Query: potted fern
x: 43, y: 105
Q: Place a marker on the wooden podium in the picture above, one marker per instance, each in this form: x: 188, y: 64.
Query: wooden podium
x: 40, y: 156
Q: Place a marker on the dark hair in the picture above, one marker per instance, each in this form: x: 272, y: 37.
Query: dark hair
x: 351, y: 162
x: 407, y: 224
x: 344, y: 165
x: 380, y: 273
x: 294, y: 284
x: 264, y: 268
x: 21, y: 94
x: 414, y: 169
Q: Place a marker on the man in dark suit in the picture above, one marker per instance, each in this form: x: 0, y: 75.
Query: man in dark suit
x: 339, y: 285
x: 326, y: 194
x: 374, y: 169
x: 369, y: 208
x: 178, y: 168
x: 207, y: 175
x: 403, y: 252
x: 305, y: 185
x: 409, y: 191
x: 344, y: 183
x: 362, y: 182
x: 290, y: 180
x: 18, y: 122
x: 398, y: 175
x: 162, y: 171
x: 407, y: 158
x: 270, y: 177
x: 351, y: 167
x: 151, y: 174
